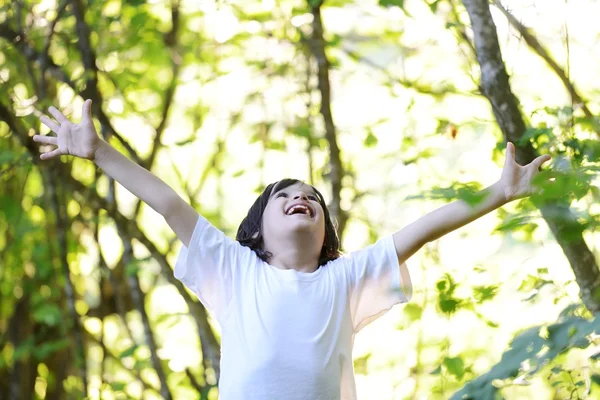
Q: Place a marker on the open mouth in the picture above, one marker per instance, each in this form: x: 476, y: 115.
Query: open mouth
x: 300, y: 209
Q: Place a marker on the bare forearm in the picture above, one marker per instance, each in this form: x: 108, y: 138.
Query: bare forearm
x: 459, y: 213
x: 445, y: 219
x: 139, y: 181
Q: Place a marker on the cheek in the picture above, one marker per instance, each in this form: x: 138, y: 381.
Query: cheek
x: 268, y: 217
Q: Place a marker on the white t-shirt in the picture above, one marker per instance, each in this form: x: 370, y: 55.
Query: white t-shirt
x: 287, y: 334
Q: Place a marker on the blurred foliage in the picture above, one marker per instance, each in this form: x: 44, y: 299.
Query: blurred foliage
x: 245, y: 108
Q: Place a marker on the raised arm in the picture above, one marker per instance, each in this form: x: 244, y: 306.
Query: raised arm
x: 81, y: 140
x: 515, y: 183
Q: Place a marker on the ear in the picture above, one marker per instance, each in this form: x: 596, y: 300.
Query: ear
x: 255, y: 235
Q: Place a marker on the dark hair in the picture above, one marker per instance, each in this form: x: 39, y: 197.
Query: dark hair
x: 250, y: 231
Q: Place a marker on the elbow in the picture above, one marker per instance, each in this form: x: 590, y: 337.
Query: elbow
x: 169, y: 205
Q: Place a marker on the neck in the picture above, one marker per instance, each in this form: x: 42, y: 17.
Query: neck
x: 296, y: 257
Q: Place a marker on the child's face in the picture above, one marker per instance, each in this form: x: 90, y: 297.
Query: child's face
x: 294, y: 211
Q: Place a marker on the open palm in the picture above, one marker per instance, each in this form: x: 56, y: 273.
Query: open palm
x: 80, y: 140
x: 516, y: 179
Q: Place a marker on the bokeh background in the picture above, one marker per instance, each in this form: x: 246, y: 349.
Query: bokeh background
x: 380, y: 104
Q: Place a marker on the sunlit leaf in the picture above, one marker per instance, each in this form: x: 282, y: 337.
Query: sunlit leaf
x: 360, y: 364
x: 370, y: 140
x: 413, y: 311
x: 485, y: 293
x: 533, y: 347
x: 455, y: 366
x: 387, y: 3
x: 129, y: 351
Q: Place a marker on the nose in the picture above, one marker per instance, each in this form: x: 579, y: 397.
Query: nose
x: 301, y: 195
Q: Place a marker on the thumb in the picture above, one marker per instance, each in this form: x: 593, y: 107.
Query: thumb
x: 87, y: 110
x: 510, y: 152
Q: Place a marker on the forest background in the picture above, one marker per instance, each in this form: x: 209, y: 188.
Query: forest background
x: 391, y: 107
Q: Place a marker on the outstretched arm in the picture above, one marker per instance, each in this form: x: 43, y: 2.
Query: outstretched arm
x: 515, y: 183
x: 81, y: 140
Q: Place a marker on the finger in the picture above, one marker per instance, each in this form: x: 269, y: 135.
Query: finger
x: 540, y: 160
x: 86, y: 111
x: 50, y: 154
x: 50, y: 124
x: 58, y: 115
x: 46, y: 139
x: 510, y: 152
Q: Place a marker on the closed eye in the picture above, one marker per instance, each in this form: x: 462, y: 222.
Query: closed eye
x: 284, y: 194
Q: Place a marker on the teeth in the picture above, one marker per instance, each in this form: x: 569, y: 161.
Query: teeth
x: 299, y: 207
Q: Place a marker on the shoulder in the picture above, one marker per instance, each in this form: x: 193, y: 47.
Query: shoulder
x: 383, y: 250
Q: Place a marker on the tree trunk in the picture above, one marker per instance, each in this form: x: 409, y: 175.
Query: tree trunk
x: 496, y: 88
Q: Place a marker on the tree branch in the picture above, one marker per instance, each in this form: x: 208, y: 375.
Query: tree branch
x: 33, y: 56
x: 45, y: 51
x: 317, y: 46
x: 139, y: 301
x: 89, y: 196
x: 496, y: 87
x: 61, y: 231
x: 171, y: 42
x: 537, y: 47
x: 135, y: 372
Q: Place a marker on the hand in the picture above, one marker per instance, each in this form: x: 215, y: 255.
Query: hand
x: 516, y: 180
x: 80, y: 140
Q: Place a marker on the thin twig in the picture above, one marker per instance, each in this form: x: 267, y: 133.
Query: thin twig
x: 496, y: 88
x: 90, y: 196
x: 46, y: 48
x: 539, y: 49
x: 336, y: 169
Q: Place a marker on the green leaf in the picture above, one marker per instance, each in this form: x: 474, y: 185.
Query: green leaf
x: 532, y: 134
x: 48, y: 314
x: 118, y: 386
x: 530, y: 346
x: 335, y: 41
x: 413, y: 311
x: 591, y: 149
x: 275, y: 145
x: 449, y: 306
x: 556, y: 370
x: 24, y: 349
x: 371, y: 140
x: 238, y: 173
x: 389, y: 3
x: 360, y: 364
x: 455, y: 366
x: 186, y: 141
x: 132, y: 268
x: 45, y: 349
x: 303, y: 130
x: 484, y: 293
x: 128, y: 352
x: 262, y: 16
x: 434, y: 5
x: 8, y: 157
x: 514, y: 223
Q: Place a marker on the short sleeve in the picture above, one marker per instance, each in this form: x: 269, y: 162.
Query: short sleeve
x: 210, y: 266
x: 374, y: 282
